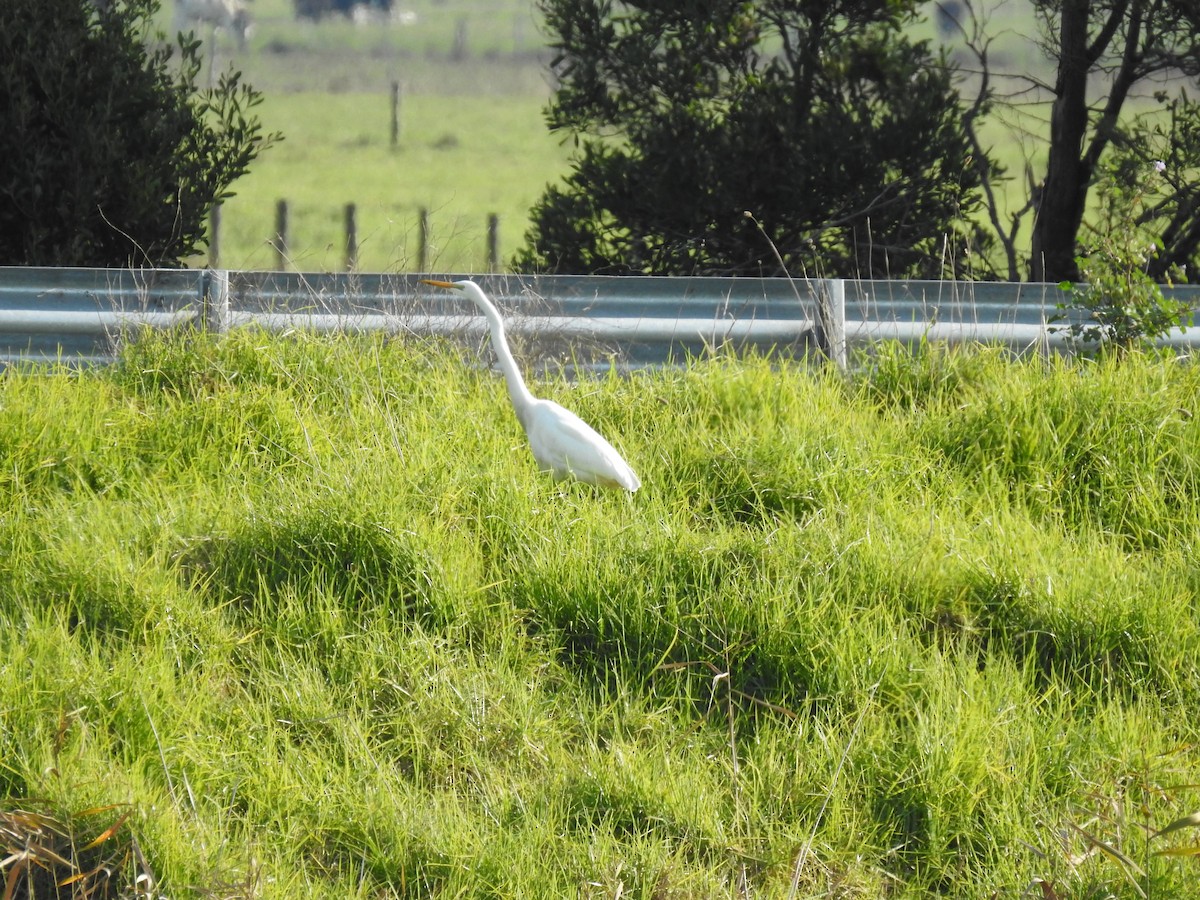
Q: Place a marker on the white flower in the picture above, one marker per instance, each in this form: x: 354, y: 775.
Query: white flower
x: 1160, y: 166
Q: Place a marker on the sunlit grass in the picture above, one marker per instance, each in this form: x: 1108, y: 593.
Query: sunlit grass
x: 306, y: 611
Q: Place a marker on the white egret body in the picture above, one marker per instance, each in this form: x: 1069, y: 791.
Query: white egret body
x: 562, y: 443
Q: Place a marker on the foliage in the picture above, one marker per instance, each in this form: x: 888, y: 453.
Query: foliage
x: 112, y: 154
x: 1121, y: 299
x: 824, y: 122
x: 304, y: 607
x: 1172, y: 215
x: 1108, y: 59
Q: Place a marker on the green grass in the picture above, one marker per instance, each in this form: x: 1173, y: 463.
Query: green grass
x: 460, y: 158
x: 305, y: 611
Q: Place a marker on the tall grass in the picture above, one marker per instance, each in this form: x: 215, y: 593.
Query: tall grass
x: 303, y: 609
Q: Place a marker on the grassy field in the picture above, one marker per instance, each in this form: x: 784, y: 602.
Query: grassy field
x: 297, y: 617
x: 473, y: 140
x: 461, y: 158
x: 472, y: 137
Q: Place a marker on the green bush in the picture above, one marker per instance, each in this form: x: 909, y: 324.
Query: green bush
x: 112, y: 155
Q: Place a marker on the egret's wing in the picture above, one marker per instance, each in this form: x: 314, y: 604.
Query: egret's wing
x: 566, y: 445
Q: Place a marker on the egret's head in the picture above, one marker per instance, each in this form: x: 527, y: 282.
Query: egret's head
x: 472, y: 291
x: 451, y: 285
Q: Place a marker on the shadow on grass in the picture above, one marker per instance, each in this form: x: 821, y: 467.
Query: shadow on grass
x: 361, y: 564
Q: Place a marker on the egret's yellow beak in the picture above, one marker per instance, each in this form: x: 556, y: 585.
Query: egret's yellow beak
x: 441, y: 284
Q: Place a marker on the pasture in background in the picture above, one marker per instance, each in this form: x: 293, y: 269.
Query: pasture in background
x: 461, y: 158
x: 470, y: 138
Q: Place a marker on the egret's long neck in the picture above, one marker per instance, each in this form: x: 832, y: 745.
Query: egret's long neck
x: 517, y: 390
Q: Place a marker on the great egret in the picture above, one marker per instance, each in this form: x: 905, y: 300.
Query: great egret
x: 562, y: 443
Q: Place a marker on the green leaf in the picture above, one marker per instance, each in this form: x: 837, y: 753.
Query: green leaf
x: 1192, y: 821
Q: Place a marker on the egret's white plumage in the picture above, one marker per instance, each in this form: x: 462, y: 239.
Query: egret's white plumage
x: 562, y: 443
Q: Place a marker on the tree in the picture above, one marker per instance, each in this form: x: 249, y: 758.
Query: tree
x: 1115, y: 65
x: 751, y: 138
x: 109, y: 154
x: 1124, y: 42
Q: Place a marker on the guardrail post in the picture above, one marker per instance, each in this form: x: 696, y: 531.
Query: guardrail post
x: 216, y: 300
x: 831, y: 320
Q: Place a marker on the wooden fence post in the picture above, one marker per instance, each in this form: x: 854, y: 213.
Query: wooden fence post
x: 493, y: 242
x: 423, y: 240
x: 351, y: 237
x: 281, y: 234
x: 395, y: 113
x: 459, y: 50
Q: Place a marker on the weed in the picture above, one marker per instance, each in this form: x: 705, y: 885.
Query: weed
x: 1121, y: 304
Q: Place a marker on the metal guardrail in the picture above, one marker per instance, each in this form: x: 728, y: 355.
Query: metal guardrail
x: 79, y: 314
x: 49, y: 314
x: 585, y: 321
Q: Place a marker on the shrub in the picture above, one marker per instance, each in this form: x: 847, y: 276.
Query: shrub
x: 112, y: 156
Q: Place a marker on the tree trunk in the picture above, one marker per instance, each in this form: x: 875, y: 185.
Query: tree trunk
x: 1064, y: 191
